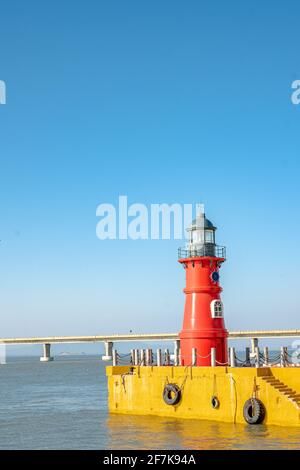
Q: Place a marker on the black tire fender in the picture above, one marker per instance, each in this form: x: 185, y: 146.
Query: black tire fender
x: 254, y: 411
x: 171, y: 394
x: 215, y: 403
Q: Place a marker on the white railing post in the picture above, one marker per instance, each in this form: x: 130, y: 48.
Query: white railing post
x: 167, y: 357
x: 232, y: 357
x: 247, y: 357
x: 283, y: 356
x: 213, y: 357
x: 158, y: 357
x: 142, y: 357
x: 285, y: 352
x: 115, y: 357
x: 148, y: 357
x: 194, y: 356
x: 257, y: 359
x: 176, y: 352
x: 136, y: 357
x: 266, y: 356
x: 254, y: 344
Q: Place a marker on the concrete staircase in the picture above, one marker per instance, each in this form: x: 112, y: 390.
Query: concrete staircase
x: 288, y: 392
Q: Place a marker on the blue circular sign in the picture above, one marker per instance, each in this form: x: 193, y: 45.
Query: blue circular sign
x: 215, y: 276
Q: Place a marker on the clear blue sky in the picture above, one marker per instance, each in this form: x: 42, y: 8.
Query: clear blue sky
x: 165, y: 101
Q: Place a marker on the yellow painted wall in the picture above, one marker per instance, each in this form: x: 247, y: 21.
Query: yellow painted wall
x: 138, y: 390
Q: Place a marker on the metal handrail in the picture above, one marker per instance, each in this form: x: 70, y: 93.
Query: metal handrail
x: 206, y: 250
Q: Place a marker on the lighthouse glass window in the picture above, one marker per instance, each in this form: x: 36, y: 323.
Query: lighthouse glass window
x: 216, y: 308
x: 209, y: 236
x: 197, y: 236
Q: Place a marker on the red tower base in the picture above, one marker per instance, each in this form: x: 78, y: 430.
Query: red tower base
x: 203, y: 342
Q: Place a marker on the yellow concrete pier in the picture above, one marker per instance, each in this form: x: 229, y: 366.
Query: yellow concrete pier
x: 139, y: 390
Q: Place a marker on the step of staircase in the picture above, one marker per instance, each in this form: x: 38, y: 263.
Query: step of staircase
x: 286, y: 389
x: 274, y: 382
x: 282, y: 388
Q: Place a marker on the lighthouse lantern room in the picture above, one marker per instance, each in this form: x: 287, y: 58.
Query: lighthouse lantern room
x: 203, y: 325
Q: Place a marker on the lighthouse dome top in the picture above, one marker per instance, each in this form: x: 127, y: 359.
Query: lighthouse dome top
x: 201, y: 222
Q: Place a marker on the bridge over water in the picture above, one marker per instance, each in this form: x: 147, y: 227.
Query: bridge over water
x: 109, y: 340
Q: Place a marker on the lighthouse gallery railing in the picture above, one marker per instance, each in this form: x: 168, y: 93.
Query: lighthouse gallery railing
x: 205, y: 250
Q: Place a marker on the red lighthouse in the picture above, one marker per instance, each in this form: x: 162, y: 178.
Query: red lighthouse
x: 203, y: 324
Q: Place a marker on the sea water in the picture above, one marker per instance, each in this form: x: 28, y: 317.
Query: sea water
x: 63, y: 405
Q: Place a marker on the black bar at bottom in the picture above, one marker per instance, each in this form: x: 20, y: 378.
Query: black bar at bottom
x: 136, y: 458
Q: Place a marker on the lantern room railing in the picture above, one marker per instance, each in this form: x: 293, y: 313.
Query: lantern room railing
x: 205, y: 250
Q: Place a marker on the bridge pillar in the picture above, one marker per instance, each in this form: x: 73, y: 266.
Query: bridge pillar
x: 46, y: 351
x: 108, y: 347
